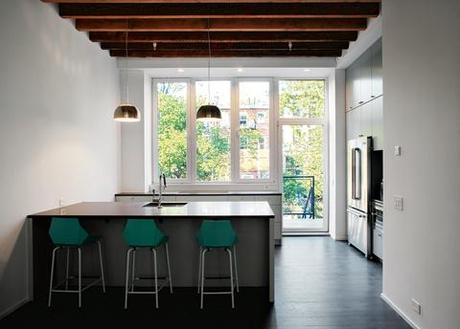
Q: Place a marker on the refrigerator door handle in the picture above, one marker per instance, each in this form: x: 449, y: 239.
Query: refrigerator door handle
x: 356, y: 174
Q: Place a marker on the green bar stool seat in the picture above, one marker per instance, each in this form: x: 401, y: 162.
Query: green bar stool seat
x: 144, y: 234
x: 67, y: 234
x: 217, y: 234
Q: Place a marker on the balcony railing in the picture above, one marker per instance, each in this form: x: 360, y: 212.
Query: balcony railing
x: 299, y: 196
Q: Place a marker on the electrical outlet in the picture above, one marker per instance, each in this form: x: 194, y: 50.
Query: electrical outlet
x: 398, y: 202
x: 416, y: 307
x: 397, y: 150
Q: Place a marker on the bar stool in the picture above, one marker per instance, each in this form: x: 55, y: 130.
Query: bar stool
x: 141, y: 234
x: 217, y: 234
x: 67, y: 233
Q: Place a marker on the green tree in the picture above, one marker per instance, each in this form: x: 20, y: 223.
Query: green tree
x: 172, y: 133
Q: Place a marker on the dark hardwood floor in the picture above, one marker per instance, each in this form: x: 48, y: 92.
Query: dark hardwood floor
x: 320, y: 284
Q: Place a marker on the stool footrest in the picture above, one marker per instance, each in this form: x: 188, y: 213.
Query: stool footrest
x: 151, y: 278
x: 89, y: 285
x: 217, y: 292
x: 217, y: 277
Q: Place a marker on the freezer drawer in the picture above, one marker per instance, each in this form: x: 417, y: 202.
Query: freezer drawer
x: 357, y: 230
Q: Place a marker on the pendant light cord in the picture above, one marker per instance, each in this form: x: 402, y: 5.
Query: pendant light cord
x: 209, y: 65
x: 126, y: 67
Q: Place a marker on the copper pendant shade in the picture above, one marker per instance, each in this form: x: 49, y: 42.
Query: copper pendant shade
x: 208, y: 112
x: 126, y: 113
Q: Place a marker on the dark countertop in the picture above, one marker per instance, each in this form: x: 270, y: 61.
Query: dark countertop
x: 200, y: 193
x: 245, y: 209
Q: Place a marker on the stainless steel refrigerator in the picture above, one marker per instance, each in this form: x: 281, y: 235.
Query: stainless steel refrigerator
x: 358, y: 194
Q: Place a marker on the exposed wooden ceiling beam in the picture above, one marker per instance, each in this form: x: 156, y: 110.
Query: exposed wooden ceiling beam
x: 222, y: 36
x: 223, y: 24
x: 216, y: 10
x: 226, y: 53
x: 209, y: 1
x: 226, y: 46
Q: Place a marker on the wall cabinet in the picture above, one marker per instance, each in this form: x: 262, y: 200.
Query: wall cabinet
x: 377, y: 70
x: 364, y: 77
x: 364, y: 94
x: 377, y: 123
x: 367, y: 120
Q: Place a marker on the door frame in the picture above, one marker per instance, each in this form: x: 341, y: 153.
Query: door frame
x: 304, y: 121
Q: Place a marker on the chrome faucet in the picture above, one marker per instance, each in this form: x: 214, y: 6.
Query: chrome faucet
x: 162, y: 188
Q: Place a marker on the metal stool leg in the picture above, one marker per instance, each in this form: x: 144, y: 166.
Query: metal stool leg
x: 156, y: 276
x: 199, y: 272
x: 236, y: 270
x: 203, y: 254
x: 67, y: 269
x: 169, y: 268
x: 79, y: 277
x: 52, y: 275
x: 101, y: 265
x: 133, y: 268
x: 231, y: 275
x: 128, y: 253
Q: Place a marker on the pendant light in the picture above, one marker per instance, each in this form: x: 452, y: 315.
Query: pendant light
x: 209, y: 112
x: 126, y: 112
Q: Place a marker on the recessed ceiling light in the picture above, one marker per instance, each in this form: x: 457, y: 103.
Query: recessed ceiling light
x: 180, y: 70
x: 239, y: 69
x: 306, y: 70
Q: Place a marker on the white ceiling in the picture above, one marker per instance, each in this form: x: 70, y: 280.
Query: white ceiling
x: 289, y: 72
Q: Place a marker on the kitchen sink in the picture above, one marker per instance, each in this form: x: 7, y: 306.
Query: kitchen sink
x: 165, y: 204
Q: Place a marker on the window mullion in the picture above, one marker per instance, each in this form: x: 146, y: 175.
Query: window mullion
x: 235, y: 126
x: 191, y: 131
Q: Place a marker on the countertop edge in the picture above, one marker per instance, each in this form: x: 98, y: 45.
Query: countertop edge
x: 196, y: 193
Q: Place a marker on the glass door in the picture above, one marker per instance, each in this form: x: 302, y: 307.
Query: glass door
x: 303, y: 150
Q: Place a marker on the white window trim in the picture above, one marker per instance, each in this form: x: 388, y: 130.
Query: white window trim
x: 236, y: 183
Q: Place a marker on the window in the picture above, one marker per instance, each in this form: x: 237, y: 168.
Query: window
x: 172, y: 129
x: 239, y: 149
x: 196, y: 152
x: 301, y: 98
x: 254, y: 103
x: 213, y: 162
x: 243, y: 120
x: 261, y: 117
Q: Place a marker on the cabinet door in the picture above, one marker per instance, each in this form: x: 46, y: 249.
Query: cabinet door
x: 377, y: 123
x: 355, y: 84
x: 349, y: 88
x: 365, y: 77
x: 353, y: 123
x: 376, y: 65
x: 366, y: 119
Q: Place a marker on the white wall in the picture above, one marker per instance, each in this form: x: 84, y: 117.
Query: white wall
x: 337, y: 156
x: 421, y: 49
x: 135, y: 139
x: 57, y: 137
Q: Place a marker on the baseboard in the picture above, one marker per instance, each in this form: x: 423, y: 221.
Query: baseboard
x: 340, y: 238
x: 13, y: 308
x: 398, y: 310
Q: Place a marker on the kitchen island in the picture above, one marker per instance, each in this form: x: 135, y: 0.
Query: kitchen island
x: 253, y: 223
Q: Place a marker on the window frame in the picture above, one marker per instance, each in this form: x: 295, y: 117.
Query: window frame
x: 274, y: 182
